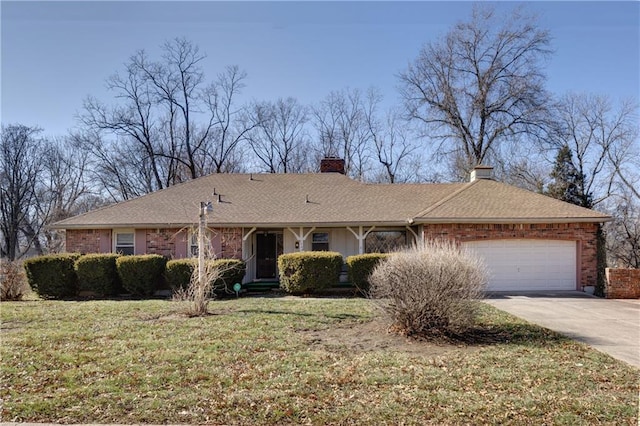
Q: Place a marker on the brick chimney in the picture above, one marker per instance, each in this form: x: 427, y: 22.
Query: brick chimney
x: 332, y: 165
x: 481, y: 172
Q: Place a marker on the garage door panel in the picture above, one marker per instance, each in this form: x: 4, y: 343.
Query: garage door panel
x: 528, y: 264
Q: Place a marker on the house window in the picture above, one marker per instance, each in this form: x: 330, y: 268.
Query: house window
x: 193, y: 244
x: 320, y: 241
x: 124, y: 242
x: 385, y: 241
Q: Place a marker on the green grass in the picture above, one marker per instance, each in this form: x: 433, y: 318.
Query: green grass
x: 253, y: 363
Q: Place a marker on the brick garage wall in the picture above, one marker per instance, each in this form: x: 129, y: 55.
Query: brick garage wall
x: 84, y: 240
x: 622, y: 284
x: 584, y: 233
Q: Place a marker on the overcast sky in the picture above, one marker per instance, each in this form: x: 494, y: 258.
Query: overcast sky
x: 54, y: 54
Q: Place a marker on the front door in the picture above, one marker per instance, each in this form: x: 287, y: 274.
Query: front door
x: 268, y: 247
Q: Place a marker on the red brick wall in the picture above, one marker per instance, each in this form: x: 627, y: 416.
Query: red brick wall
x: 583, y: 233
x: 622, y: 284
x: 163, y: 241
x: 87, y: 240
x: 169, y: 242
x: 231, y: 243
x: 227, y: 243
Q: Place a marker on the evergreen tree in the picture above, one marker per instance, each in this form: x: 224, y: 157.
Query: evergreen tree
x: 568, y: 182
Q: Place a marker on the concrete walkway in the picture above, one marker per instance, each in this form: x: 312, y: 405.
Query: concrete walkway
x: 611, y: 326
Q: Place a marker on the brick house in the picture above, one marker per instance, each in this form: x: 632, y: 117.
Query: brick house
x: 529, y: 241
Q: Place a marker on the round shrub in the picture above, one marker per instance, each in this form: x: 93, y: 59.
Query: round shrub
x: 307, y: 271
x: 97, y: 273
x: 431, y: 289
x: 231, y: 271
x: 141, y: 275
x: 178, y: 273
x: 53, y: 276
x: 360, y: 268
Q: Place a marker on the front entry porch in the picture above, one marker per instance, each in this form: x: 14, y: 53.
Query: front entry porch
x: 262, y: 246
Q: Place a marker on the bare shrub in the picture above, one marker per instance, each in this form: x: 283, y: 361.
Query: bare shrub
x: 13, y: 280
x: 206, y: 282
x: 430, y: 289
x: 199, y: 292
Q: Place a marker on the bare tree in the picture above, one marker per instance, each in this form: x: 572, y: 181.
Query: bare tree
x: 171, y: 124
x: 392, y: 143
x: 132, y: 122
x: 19, y: 172
x: 119, y: 169
x: 43, y: 181
x: 280, y: 141
x: 341, y: 124
x: 602, y: 139
x: 230, y: 129
x: 623, y: 233
x: 63, y: 190
x: 480, y: 86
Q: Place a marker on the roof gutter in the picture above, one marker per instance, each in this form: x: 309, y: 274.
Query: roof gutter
x: 409, y: 222
x: 438, y: 220
x: 215, y: 224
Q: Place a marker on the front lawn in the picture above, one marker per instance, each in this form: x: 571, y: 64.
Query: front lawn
x: 293, y: 360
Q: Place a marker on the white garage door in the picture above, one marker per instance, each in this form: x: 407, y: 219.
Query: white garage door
x: 523, y: 265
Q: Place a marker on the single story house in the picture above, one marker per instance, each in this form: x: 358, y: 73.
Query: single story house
x: 529, y: 241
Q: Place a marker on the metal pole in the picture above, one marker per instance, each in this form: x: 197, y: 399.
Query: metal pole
x: 201, y: 230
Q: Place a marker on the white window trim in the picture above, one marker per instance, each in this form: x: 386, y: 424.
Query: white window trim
x: 123, y: 231
x: 321, y: 231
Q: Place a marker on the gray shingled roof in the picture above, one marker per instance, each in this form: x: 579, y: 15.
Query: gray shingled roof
x: 329, y: 199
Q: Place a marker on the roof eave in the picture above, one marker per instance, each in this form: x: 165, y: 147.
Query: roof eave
x: 440, y: 220
x: 232, y: 225
x: 120, y: 225
x: 415, y: 221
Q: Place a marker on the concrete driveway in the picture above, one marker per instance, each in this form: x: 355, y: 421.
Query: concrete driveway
x: 611, y: 326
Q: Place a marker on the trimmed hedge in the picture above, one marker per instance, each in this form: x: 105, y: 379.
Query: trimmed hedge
x: 305, y: 272
x: 233, y: 271
x: 178, y: 273
x: 141, y: 275
x: 53, y: 276
x: 97, y: 273
x: 360, y: 268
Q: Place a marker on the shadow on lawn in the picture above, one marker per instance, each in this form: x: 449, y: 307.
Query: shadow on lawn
x: 521, y: 333
x: 342, y: 316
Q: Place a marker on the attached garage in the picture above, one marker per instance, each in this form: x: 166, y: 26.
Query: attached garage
x: 527, y: 264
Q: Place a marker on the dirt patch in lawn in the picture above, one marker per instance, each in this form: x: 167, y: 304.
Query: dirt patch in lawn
x: 375, y: 336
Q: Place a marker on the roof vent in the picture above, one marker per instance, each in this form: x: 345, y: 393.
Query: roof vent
x: 481, y: 172
x: 332, y: 165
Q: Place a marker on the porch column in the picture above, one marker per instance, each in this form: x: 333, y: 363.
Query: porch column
x: 301, y: 236
x: 245, y: 237
x: 361, y: 237
x: 415, y: 236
